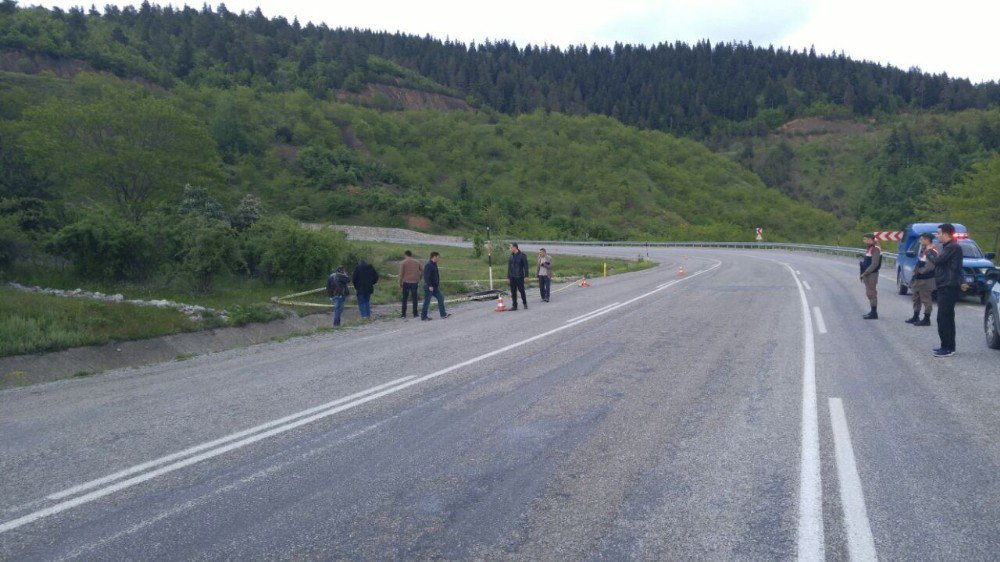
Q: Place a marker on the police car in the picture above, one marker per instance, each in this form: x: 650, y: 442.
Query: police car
x: 991, y: 319
x: 975, y: 262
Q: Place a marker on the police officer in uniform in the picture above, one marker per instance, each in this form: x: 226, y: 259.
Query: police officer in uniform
x: 870, y: 266
x: 923, y: 283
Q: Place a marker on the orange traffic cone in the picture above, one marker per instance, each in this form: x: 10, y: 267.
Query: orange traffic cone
x: 680, y: 272
x: 584, y: 283
x: 500, y: 306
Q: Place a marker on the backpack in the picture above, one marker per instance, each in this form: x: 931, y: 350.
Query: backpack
x: 336, y: 285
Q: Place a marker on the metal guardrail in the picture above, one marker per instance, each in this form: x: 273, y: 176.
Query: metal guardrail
x: 836, y: 250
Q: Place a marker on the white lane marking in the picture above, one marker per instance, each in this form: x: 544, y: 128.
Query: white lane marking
x: 806, y: 283
x: 860, y: 542
x: 214, y: 443
x: 101, y: 492
x: 591, y: 312
x: 811, y: 545
x: 820, y: 324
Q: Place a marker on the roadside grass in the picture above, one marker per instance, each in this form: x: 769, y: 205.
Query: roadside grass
x: 463, y: 273
x: 31, y: 323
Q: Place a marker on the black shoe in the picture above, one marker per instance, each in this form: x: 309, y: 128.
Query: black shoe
x: 403, y: 315
x: 944, y: 352
x: 512, y: 309
x: 525, y: 304
x: 871, y: 316
x: 925, y: 322
x: 426, y: 318
x: 914, y: 319
x: 446, y: 316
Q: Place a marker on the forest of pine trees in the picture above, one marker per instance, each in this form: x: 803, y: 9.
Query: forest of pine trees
x: 697, y: 90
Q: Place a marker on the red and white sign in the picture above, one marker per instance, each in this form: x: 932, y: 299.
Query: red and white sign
x: 892, y: 235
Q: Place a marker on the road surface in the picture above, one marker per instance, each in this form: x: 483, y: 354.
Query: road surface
x: 743, y: 411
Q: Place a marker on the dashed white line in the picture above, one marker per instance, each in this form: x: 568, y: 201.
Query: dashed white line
x: 820, y: 324
x: 860, y: 542
x: 806, y: 283
x: 811, y: 543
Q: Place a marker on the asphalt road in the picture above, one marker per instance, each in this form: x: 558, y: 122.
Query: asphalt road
x: 744, y: 411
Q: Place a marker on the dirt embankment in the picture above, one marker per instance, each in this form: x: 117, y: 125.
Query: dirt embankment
x: 384, y: 96
x: 16, y: 61
x: 818, y: 126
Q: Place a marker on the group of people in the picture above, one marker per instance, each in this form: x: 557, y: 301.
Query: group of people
x: 935, y: 271
x: 411, y: 272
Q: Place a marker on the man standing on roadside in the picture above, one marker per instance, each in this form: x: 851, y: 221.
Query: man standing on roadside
x: 870, y: 266
x: 517, y: 270
x: 949, y: 279
x: 364, y: 279
x: 923, y: 284
x: 336, y: 289
x: 432, y: 287
x: 544, y: 274
x: 410, y: 272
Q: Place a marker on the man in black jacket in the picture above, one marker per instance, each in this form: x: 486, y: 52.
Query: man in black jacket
x: 364, y: 279
x: 950, y: 281
x: 517, y: 270
x: 432, y: 287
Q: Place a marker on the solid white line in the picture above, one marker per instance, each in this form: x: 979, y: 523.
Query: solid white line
x: 820, y: 324
x: 368, y: 396
x: 592, y: 312
x: 806, y: 283
x: 214, y: 443
x: 811, y: 545
x: 860, y: 542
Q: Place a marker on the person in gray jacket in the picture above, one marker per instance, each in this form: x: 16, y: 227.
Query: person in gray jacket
x: 922, y: 284
x: 544, y: 273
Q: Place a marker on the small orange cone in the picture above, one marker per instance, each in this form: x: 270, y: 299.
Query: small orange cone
x: 500, y: 306
x: 680, y: 272
x: 584, y: 283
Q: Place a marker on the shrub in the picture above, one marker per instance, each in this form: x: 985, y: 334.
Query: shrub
x: 208, y: 248
x: 102, y: 245
x: 280, y: 248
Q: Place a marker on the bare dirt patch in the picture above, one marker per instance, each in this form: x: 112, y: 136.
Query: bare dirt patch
x: 418, y: 222
x: 818, y: 126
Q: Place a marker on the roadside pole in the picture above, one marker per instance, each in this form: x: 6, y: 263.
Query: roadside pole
x: 489, y: 253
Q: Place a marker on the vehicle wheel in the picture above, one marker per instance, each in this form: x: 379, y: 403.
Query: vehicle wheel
x: 899, y: 284
x: 991, y: 328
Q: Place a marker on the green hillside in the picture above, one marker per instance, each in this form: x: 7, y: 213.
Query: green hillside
x: 537, y: 175
x: 880, y: 174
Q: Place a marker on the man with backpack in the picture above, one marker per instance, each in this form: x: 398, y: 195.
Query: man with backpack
x: 336, y: 289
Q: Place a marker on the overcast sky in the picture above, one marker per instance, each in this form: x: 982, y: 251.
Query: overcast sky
x: 957, y: 37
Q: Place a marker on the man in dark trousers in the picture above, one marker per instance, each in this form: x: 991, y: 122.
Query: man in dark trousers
x: 870, y: 266
x: 923, y: 284
x: 517, y: 270
x: 544, y: 274
x: 410, y: 272
x: 336, y: 289
x: 950, y: 282
x: 364, y: 279
x: 432, y: 287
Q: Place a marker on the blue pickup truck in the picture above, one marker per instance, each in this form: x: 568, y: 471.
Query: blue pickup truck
x: 975, y: 264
